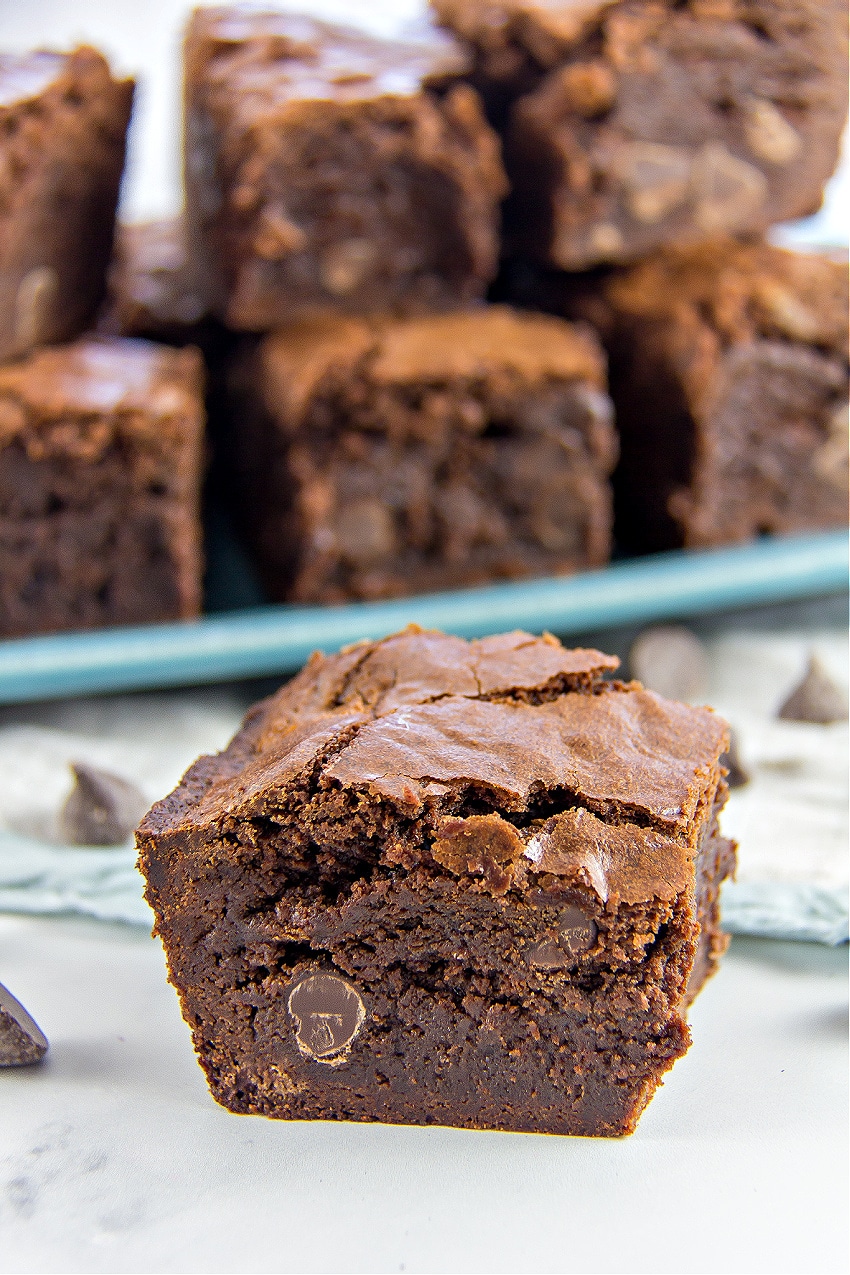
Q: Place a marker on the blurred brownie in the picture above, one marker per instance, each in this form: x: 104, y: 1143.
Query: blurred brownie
x: 63, y: 123
x: 378, y: 459
x: 327, y: 170
x: 101, y: 446
x: 151, y: 290
x: 440, y: 882
x: 640, y: 123
x: 729, y: 373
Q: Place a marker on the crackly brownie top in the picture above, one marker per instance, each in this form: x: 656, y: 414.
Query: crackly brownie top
x: 427, y: 727
x: 98, y: 376
x: 263, y: 59
x: 742, y: 291
x: 523, y: 349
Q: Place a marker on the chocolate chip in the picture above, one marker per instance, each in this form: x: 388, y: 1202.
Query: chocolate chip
x: 577, y: 931
x: 656, y: 179
x: 727, y: 191
x: 738, y: 774
x: 670, y: 660
x: 34, y: 303
x: 101, y: 809
x: 576, y: 935
x: 22, y: 1042
x: 816, y: 699
x: 768, y: 133
x: 328, y: 1013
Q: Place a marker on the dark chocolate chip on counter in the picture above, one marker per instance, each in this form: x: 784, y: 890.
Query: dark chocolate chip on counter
x: 101, y: 809
x: 670, y: 660
x: 327, y: 1013
x: 816, y: 699
x: 576, y: 934
x: 22, y: 1042
x: 738, y: 774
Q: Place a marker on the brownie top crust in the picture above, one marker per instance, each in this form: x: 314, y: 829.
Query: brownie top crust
x: 743, y: 291
x: 546, y: 29
x: 99, y: 375
x: 267, y: 61
x: 511, y: 742
x: 526, y: 349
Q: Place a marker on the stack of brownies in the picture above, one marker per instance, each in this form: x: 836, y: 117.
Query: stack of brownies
x: 411, y: 266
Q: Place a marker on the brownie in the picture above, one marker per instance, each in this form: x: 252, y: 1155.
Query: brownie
x: 730, y: 375
x: 151, y: 290
x: 641, y: 123
x: 63, y: 123
x: 440, y: 882
x: 389, y: 457
x: 100, y: 467
x: 327, y: 170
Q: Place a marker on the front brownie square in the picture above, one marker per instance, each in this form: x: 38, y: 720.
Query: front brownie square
x: 101, y: 456
x: 649, y: 123
x: 440, y: 882
x: 327, y: 170
x: 730, y: 375
x: 63, y: 123
x: 389, y: 458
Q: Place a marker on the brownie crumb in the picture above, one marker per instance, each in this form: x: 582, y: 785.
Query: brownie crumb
x: 22, y: 1042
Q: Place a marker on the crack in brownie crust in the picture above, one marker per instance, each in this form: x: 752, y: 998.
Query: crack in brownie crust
x: 433, y: 881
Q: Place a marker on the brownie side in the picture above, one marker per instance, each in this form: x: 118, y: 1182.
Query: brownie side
x: 638, y: 125
x: 63, y: 125
x: 329, y: 171
x: 729, y: 372
x: 389, y: 458
x: 442, y: 882
x: 101, y: 457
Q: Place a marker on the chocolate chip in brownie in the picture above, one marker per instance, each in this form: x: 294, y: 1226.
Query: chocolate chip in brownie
x: 327, y: 1013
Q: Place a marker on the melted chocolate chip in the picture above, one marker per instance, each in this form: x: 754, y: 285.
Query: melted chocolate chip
x: 328, y: 1013
x: 22, y: 1041
x: 102, y: 809
x: 576, y: 935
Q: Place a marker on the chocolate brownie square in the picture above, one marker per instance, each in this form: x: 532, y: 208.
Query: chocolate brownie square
x: 377, y: 459
x: 63, y: 123
x: 440, y: 882
x: 635, y: 124
x: 730, y: 375
x: 151, y: 289
x: 101, y: 456
x: 327, y: 170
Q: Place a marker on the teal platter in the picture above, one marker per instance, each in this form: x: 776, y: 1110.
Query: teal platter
x: 260, y: 641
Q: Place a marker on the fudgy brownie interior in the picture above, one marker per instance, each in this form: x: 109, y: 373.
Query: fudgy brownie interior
x: 434, y: 881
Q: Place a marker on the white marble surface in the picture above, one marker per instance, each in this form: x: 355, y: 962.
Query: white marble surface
x: 114, y: 1158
